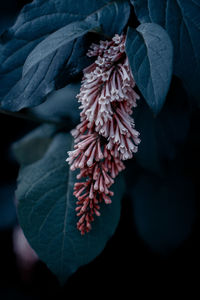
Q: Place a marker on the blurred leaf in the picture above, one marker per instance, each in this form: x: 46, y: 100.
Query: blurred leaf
x: 148, y: 155
x: 33, y: 146
x: 162, y: 137
x: 164, y: 210
x: 35, y: 22
x: 150, y: 54
x: 60, y: 106
x: 7, y: 207
x: 181, y: 19
x: 47, y: 212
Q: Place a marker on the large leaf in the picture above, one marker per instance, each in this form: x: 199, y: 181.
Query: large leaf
x: 32, y: 146
x: 47, y: 212
x: 164, y: 210
x: 36, y: 21
x: 66, y: 109
x: 55, y: 41
x: 150, y: 53
x: 181, y: 19
x: 38, y: 81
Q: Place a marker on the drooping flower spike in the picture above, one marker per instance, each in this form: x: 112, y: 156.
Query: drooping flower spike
x: 106, y: 135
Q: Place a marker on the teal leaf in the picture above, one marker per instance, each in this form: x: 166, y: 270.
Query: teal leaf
x: 47, y: 214
x: 66, y: 109
x: 47, y: 76
x: 37, y: 21
x: 150, y: 54
x: 181, y: 19
x: 32, y: 146
x: 56, y: 41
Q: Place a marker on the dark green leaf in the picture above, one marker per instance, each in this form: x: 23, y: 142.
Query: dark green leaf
x: 47, y: 212
x: 71, y: 71
x: 60, y: 106
x: 150, y: 54
x: 32, y: 147
x: 35, y: 22
x: 164, y: 210
x: 181, y: 19
x: 40, y: 80
x: 36, y: 85
x: 57, y: 40
x: 112, y: 15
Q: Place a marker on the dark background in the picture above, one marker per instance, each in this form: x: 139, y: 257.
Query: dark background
x: 127, y: 264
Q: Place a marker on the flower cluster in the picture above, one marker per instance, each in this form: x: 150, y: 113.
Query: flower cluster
x: 106, y: 135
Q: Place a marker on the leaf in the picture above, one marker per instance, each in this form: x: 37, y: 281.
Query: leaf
x: 60, y: 106
x: 71, y: 71
x: 164, y: 210
x: 113, y: 16
x: 38, y: 82
x: 56, y: 41
x: 47, y: 213
x: 32, y: 147
x: 150, y: 53
x: 181, y: 19
x: 35, y: 22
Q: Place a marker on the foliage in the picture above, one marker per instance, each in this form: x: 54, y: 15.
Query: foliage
x: 44, y: 22
x: 47, y: 211
x: 149, y: 50
x: 42, y: 57
x: 181, y: 19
